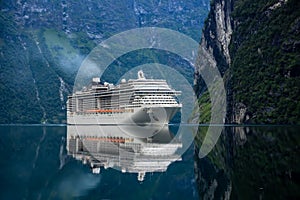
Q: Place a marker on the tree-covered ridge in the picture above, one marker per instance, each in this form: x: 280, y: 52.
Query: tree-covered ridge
x: 12, y: 70
x: 265, y: 51
x: 261, y: 75
x: 42, y: 44
x: 29, y: 84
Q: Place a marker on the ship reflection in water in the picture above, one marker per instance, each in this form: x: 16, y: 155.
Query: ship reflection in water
x: 117, y: 147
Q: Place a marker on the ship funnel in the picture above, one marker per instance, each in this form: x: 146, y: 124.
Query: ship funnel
x: 141, y: 75
x: 96, y: 80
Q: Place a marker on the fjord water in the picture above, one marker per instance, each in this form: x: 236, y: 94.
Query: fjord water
x: 252, y: 162
x: 247, y: 162
x: 35, y: 165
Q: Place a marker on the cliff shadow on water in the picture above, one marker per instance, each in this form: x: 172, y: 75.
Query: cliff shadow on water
x: 250, y: 162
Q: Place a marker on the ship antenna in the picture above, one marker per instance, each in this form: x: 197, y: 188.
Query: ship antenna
x: 141, y: 75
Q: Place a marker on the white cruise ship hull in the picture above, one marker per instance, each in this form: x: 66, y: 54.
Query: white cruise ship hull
x: 141, y: 116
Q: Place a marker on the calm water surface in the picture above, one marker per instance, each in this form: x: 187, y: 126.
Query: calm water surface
x: 246, y: 163
x: 35, y: 165
x: 251, y: 162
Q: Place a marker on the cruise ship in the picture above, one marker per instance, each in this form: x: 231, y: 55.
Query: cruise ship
x: 138, y: 101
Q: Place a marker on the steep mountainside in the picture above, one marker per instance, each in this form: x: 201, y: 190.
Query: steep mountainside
x: 42, y: 44
x: 255, y: 45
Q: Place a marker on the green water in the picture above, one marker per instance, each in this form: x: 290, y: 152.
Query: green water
x: 255, y: 162
x: 35, y: 165
x: 252, y: 162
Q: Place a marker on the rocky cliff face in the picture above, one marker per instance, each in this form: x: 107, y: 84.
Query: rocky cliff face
x: 217, y: 34
x: 255, y: 45
x: 99, y: 19
x: 215, y: 43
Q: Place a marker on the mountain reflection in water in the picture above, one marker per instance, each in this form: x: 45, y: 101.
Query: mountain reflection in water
x: 251, y: 162
x: 248, y: 162
x: 35, y: 165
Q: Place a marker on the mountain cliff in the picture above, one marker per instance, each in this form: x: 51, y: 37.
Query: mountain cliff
x: 255, y: 45
x: 42, y: 44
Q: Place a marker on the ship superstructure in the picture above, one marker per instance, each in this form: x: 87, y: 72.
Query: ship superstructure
x: 136, y: 101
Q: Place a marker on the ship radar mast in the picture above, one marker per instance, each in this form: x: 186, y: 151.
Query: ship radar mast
x: 141, y: 75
